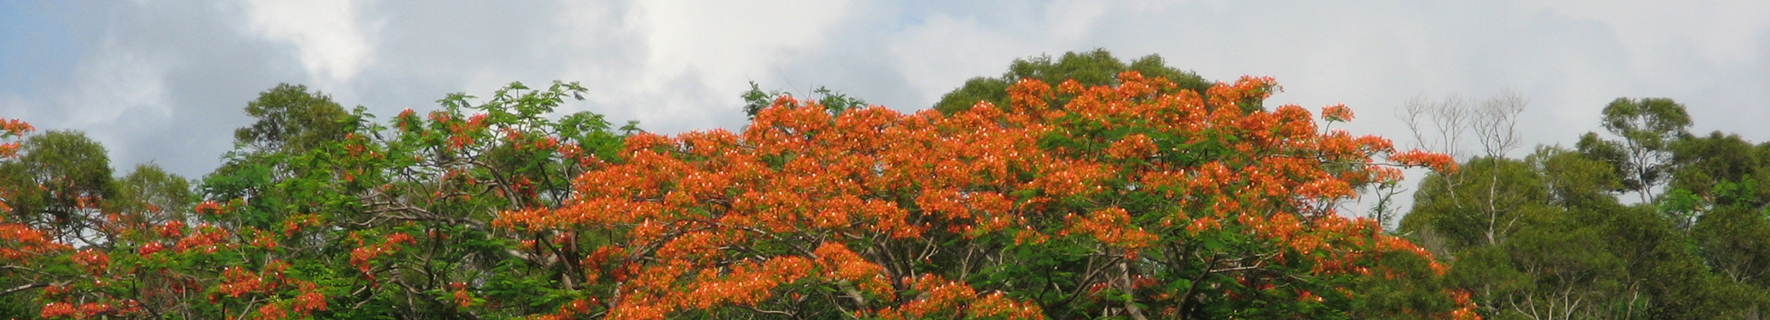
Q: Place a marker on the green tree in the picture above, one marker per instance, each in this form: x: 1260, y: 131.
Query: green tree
x: 1717, y: 195
x: 59, y: 181
x: 1647, y: 129
x: 150, y: 188
x: 1568, y: 249
x: 1573, y: 179
x: 1703, y: 163
x: 1092, y: 68
x: 1736, y: 241
x: 1494, y: 198
x: 274, y: 154
x: 835, y: 102
x: 394, y: 219
x: 289, y: 118
x: 1663, y: 267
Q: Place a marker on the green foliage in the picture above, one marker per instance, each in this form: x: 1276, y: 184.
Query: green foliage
x: 1409, y: 283
x: 1611, y: 153
x: 1573, y: 179
x: 1546, y: 237
x: 835, y: 102
x: 1704, y: 164
x: 69, y: 165
x: 1483, y: 203
x: 150, y: 188
x: 1737, y: 242
x: 317, y: 212
x: 1647, y: 128
x: 395, y: 220
x: 1650, y: 123
x: 58, y: 183
x: 289, y: 117
x: 1092, y: 68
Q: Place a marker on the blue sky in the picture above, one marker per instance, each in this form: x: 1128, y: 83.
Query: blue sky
x: 165, y: 81
x: 39, y: 45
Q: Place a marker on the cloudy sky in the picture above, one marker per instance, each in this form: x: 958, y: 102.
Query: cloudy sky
x: 166, y: 81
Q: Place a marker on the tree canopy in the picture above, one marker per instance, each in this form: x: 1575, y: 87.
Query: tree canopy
x: 1547, y: 237
x: 1092, y: 68
x: 1076, y: 187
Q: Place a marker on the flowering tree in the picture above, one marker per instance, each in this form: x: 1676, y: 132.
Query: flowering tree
x: 331, y: 217
x: 1125, y: 200
x: 1121, y: 202
x: 394, y: 219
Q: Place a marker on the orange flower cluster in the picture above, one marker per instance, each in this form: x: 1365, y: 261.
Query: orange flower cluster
x: 93, y: 261
x: 362, y: 255
x: 20, y: 243
x: 1466, y: 311
x: 214, y: 208
x: 12, y: 128
x: 463, y: 299
x: 745, y: 283
x: 405, y: 118
x: 238, y: 281
x: 1135, y: 146
x: 269, y: 282
x: 840, y: 264
x: 272, y: 311
x: 1112, y: 226
x: 709, y: 219
x: 172, y: 229
x: 946, y: 298
x: 56, y: 310
x: 207, y: 238
x: 294, y: 223
x: 1336, y: 113
x: 89, y: 310
x: 1393, y: 244
x: 10, y: 131
x: 305, y: 304
x: 1438, y: 161
x: 309, y: 300
x: 150, y: 248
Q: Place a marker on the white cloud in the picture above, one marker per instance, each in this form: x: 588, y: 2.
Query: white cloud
x: 115, y: 83
x: 1724, y: 31
x: 1071, y: 20
x: 332, y: 45
x: 943, y: 51
x: 110, y: 92
x: 727, y: 40
x: 677, y: 65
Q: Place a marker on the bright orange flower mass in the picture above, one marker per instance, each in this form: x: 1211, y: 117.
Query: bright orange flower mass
x: 1119, y: 180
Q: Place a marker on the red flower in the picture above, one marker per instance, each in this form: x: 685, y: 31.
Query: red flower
x: 56, y: 309
x: 150, y: 248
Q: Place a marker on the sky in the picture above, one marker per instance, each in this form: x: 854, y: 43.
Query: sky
x: 166, y: 81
